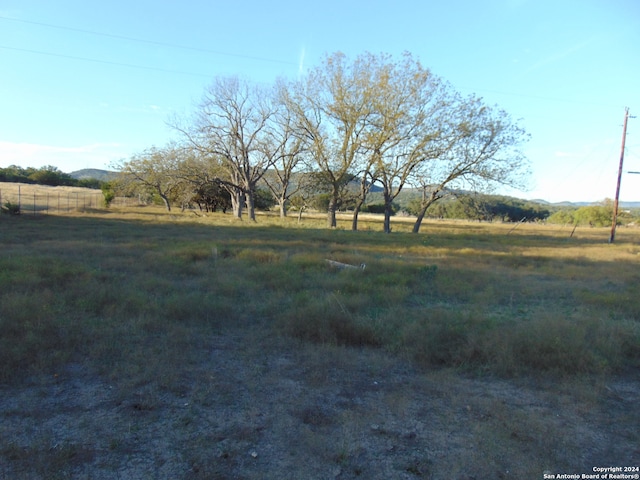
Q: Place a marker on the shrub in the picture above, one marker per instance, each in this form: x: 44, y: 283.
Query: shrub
x: 108, y: 192
x: 11, y: 208
x: 379, y: 208
x: 256, y: 255
x: 595, y: 216
x: 562, y: 217
x: 263, y: 199
x: 325, y: 320
x: 442, y: 337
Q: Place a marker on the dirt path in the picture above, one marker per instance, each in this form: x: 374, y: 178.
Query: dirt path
x: 262, y: 408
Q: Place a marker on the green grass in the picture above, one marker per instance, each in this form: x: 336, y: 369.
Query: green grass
x: 135, y: 295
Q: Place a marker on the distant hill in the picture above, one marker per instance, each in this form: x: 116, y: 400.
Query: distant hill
x: 629, y: 204
x: 582, y: 204
x: 87, y: 173
x: 375, y: 193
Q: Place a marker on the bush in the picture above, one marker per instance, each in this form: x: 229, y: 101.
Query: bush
x: 592, y: 215
x: 263, y: 200
x: 50, y: 175
x: 108, y: 192
x: 595, y: 216
x: 11, y: 208
x: 442, y: 337
x: 379, y: 208
x: 325, y: 320
x: 562, y: 217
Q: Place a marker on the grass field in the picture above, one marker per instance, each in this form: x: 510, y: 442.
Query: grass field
x: 145, y: 304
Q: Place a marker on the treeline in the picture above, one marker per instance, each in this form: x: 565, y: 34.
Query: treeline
x: 330, y: 136
x: 48, y: 175
x: 600, y: 215
x: 459, y: 206
x: 486, y: 208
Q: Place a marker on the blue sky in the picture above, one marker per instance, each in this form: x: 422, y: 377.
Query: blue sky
x: 85, y: 84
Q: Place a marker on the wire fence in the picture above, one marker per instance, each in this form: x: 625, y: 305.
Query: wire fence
x: 33, y: 201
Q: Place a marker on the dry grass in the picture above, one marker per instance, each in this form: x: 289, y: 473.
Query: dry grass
x: 559, y: 303
x: 41, y: 199
x: 205, y: 324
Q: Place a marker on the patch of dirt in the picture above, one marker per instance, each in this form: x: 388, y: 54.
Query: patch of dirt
x: 261, y: 408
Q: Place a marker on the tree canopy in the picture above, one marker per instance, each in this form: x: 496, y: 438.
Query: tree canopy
x: 47, y: 175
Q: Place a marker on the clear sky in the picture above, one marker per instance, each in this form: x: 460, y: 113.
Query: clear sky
x: 84, y: 84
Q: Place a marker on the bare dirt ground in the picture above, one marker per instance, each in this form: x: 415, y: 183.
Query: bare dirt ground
x: 273, y: 408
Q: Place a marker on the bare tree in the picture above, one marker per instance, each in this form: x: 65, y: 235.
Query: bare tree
x: 231, y: 126
x: 286, y: 144
x: 306, y: 189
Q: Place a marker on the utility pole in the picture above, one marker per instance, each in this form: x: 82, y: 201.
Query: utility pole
x: 615, y: 202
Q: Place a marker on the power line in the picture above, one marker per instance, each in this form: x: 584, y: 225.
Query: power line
x: 150, y: 42
x: 247, y: 57
x: 105, y: 62
x: 539, y: 97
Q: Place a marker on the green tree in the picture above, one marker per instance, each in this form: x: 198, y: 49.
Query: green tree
x: 211, y: 196
x: 595, y: 215
x: 52, y: 176
x: 264, y: 199
x: 156, y: 170
x: 90, y: 183
x: 14, y: 173
x: 482, y: 151
x: 410, y: 106
x: 563, y: 217
x: 332, y: 106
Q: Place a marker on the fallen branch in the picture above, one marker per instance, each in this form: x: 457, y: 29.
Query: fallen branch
x: 343, y: 266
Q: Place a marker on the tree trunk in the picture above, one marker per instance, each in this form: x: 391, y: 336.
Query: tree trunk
x: 416, y: 226
x: 356, y: 211
x: 167, y: 204
x: 331, y: 218
x: 387, y: 219
x: 236, y: 203
x: 333, y: 206
x: 282, y: 204
x: 251, y: 210
x: 388, y: 210
x: 426, y: 203
x: 331, y: 213
x: 364, y: 191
